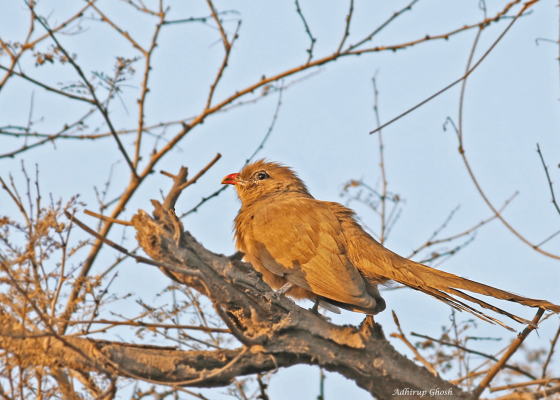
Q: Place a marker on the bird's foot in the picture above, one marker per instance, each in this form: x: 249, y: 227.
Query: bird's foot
x: 370, y: 328
x: 315, y: 308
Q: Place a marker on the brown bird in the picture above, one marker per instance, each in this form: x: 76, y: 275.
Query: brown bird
x: 315, y: 249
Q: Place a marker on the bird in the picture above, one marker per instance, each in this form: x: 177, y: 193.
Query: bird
x: 313, y: 249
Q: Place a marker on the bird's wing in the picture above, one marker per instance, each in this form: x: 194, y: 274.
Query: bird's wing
x: 301, y: 239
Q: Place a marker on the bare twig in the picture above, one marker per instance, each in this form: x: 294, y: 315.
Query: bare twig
x: 109, y: 242
x: 202, y: 201
x: 321, y: 384
x: 197, y: 19
x: 462, y: 78
x: 418, y: 356
x: 533, y: 396
x: 308, y: 31
x: 202, y: 172
x: 145, y: 89
x: 550, y: 353
x: 394, y: 16
x: 228, y: 48
x: 104, y: 218
x: 227, y: 44
x: 29, y: 45
x: 512, y: 349
x: 151, y: 325
x: 523, y: 384
x: 347, y: 28
x: 383, y: 197
x: 470, y: 375
x: 46, y: 87
x: 135, y: 44
x: 548, y: 238
x: 459, y: 131
x: 432, y: 242
x: 271, y: 127
x: 262, y: 388
x: 548, y: 179
x: 488, y: 356
x: 91, y: 89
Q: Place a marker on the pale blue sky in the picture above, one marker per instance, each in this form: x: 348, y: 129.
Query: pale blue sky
x: 322, y: 131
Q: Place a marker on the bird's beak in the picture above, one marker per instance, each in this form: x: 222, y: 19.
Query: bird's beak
x: 231, y: 179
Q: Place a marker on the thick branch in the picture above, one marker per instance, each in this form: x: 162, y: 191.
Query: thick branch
x: 275, y: 332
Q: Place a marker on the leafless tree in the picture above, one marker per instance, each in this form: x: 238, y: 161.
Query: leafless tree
x: 53, y: 300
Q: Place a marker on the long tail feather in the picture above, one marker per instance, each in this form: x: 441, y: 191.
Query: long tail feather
x: 444, y: 280
x: 459, y: 305
x: 443, y: 286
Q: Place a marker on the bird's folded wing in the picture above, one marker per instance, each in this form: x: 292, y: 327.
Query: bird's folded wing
x: 302, y: 240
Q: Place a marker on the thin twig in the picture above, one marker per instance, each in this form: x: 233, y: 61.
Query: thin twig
x: 262, y: 388
x: 432, y: 242
x: 548, y: 179
x: 523, y: 384
x: 470, y: 375
x: 548, y: 238
x: 321, y: 384
x: 151, y: 325
x: 459, y: 131
x: 271, y: 127
x: 110, y: 242
x: 61, y: 277
x: 104, y: 218
x: 197, y: 19
x: 535, y: 396
x: 394, y: 16
x: 203, y: 200
x: 104, y: 18
x: 27, y: 45
x: 509, y: 352
x: 308, y: 31
x: 228, y: 48
x: 145, y: 89
x: 402, y: 337
x: 227, y: 45
x: 550, y: 353
x: 202, y: 172
x: 383, y: 197
x: 46, y: 87
x: 488, y: 356
x: 347, y: 28
x: 462, y: 78
x: 265, y: 81
x: 91, y: 89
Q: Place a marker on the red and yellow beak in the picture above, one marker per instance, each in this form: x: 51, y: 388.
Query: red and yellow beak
x: 231, y: 179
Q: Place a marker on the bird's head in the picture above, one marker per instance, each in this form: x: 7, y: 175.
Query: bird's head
x: 264, y: 178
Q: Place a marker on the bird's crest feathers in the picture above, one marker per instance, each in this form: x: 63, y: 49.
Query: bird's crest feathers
x: 263, y: 178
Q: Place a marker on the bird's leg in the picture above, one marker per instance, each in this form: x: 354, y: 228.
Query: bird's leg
x: 370, y: 328
x: 285, y: 288
x: 315, y: 309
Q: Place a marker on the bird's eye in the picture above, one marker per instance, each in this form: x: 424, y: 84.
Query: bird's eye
x: 262, y: 175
